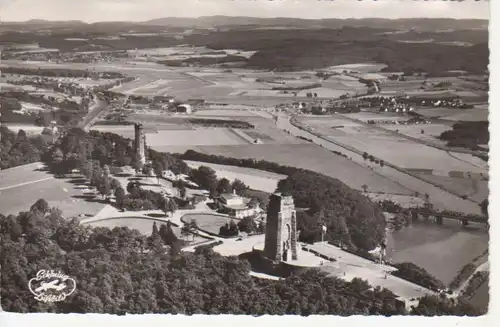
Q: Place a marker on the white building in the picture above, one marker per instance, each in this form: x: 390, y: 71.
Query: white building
x: 236, y: 206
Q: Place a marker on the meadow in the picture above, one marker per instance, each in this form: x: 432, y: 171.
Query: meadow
x: 210, y: 223
x: 255, y: 179
x: 24, y: 185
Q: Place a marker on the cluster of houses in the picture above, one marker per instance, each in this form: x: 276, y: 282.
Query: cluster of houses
x: 162, y: 103
x: 451, y: 103
x: 33, y: 52
x: 411, y: 121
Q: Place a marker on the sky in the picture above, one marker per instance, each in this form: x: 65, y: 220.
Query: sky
x: 142, y: 10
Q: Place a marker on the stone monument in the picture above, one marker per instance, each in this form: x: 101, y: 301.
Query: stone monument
x: 281, y: 229
x: 140, y: 142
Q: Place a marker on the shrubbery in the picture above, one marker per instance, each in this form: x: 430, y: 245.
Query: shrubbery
x: 462, y: 276
x: 417, y: 275
x: 220, y: 123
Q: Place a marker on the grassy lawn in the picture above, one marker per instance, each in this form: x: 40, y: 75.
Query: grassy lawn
x: 209, y: 223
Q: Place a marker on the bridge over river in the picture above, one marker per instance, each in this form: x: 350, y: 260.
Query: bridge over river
x: 439, y: 216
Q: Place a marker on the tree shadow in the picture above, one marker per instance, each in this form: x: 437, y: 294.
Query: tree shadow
x: 90, y: 199
x: 149, y: 184
x: 81, y: 181
x: 212, y: 206
x: 123, y: 175
x: 156, y: 215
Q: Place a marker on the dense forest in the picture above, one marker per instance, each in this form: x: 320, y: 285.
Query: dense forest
x: 467, y: 134
x: 311, y: 49
x: 77, y: 147
x: 119, y: 271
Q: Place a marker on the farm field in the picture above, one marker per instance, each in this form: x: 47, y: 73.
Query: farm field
x: 475, y: 114
x: 474, y: 189
x: 255, y: 179
x: 195, y: 137
x: 163, y: 137
x: 389, y: 147
x: 314, y: 158
x: 239, y: 86
x: 22, y: 186
x: 439, y: 198
x: 365, y: 116
x: 470, y: 159
x: 431, y: 131
x: 210, y: 223
x: 265, y: 129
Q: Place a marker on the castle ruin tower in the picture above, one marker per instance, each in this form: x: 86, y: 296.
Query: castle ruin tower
x: 145, y: 145
x: 281, y: 229
x: 139, y: 142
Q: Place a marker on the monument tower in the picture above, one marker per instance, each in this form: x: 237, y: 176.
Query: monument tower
x: 140, y: 142
x: 281, y: 229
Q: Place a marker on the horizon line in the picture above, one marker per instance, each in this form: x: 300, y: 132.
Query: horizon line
x: 237, y: 16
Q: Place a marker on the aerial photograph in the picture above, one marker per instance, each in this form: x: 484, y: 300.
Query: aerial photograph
x: 244, y: 157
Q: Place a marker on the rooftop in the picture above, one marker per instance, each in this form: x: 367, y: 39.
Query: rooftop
x: 230, y: 196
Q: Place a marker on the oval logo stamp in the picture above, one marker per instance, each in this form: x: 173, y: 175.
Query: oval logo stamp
x: 51, y: 286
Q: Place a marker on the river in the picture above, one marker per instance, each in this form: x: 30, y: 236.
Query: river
x: 442, y: 250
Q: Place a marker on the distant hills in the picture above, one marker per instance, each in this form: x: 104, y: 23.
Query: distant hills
x: 422, y: 24
x: 410, y: 23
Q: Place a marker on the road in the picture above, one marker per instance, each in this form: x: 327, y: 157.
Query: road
x: 94, y: 112
x: 485, y: 266
x: 439, y: 197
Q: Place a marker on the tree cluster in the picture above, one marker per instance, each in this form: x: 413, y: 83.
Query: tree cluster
x: 467, y: 134
x: 229, y: 229
x: 120, y: 271
x: 20, y: 149
x: 418, y: 275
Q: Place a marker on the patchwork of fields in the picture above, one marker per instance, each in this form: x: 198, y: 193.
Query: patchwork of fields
x: 391, y: 148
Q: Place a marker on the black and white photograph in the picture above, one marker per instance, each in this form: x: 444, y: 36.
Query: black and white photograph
x: 248, y: 157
